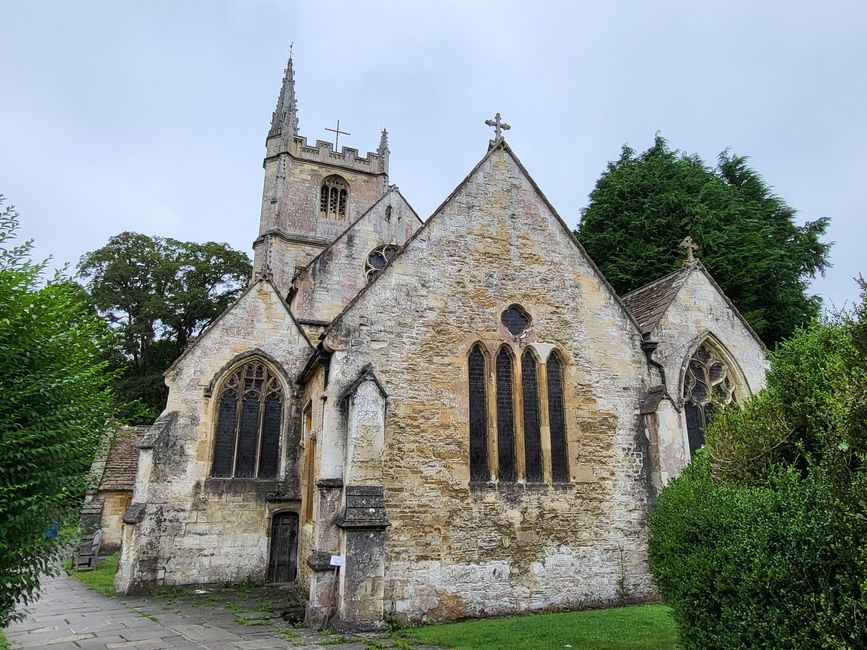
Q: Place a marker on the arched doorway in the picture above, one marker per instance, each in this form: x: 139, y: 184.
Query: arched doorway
x: 282, y: 565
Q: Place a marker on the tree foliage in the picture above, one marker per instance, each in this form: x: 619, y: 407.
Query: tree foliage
x: 158, y: 293
x: 761, y: 541
x: 645, y: 204
x: 56, y: 404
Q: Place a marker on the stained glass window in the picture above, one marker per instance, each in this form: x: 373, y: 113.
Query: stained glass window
x: 249, y: 415
x: 516, y: 320
x: 478, y: 415
x: 505, y: 417
x: 557, y: 420
x: 378, y: 258
x: 707, y: 382
x: 532, y: 432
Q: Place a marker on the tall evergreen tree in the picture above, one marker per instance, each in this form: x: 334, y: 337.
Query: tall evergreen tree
x: 644, y: 204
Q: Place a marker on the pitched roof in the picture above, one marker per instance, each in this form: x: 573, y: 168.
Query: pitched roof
x: 121, y: 464
x: 495, y: 145
x: 648, y: 303
x: 325, y: 251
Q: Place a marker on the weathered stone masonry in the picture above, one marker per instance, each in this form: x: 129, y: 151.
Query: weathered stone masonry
x: 371, y: 354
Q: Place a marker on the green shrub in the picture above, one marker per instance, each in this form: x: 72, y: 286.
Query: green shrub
x: 762, y: 541
x: 56, y: 403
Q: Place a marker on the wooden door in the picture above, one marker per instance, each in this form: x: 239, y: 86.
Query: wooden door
x: 284, y: 543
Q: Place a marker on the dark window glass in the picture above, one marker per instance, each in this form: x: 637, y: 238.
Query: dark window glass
x: 707, y: 383
x: 270, y: 437
x: 505, y: 418
x: 556, y: 419
x: 532, y: 433
x: 247, y: 433
x: 224, y: 443
x: 515, y: 319
x: 478, y: 416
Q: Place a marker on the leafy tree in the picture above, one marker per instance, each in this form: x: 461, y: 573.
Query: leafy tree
x: 761, y: 541
x: 645, y: 204
x: 56, y: 404
x: 158, y: 293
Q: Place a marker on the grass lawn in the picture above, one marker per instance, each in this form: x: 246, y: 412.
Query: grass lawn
x: 101, y: 579
x: 622, y: 628
x: 4, y: 644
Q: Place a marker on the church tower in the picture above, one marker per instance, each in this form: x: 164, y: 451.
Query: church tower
x: 311, y: 193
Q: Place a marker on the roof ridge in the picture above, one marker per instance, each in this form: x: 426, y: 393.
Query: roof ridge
x: 501, y: 144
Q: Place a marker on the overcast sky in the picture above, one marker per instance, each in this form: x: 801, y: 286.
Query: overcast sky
x: 151, y: 116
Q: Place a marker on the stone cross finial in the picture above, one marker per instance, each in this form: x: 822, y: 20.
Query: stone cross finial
x: 690, y: 247
x: 337, y: 133
x: 498, y: 125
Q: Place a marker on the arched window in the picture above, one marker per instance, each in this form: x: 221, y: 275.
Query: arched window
x: 249, y: 416
x: 505, y: 417
x: 333, y: 198
x: 478, y: 415
x: 707, y: 383
x: 557, y: 420
x: 532, y: 431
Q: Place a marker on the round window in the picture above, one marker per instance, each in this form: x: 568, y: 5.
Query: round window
x: 378, y: 258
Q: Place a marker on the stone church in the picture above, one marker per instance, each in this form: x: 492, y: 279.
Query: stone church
x: 427, y: 420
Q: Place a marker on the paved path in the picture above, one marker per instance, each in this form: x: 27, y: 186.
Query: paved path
x: 70, y: 616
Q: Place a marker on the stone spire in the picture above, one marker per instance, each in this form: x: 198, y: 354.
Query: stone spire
x: 284, y: 121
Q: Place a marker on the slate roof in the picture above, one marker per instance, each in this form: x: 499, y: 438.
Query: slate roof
x: 648, y: 303
x: 121, y: 464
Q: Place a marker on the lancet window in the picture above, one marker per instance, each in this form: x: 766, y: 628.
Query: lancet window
x: 557, y: 419
x: 249, y: 418
x: 333, y: 198
x: 510, y: 422
x: 708, y: 384
x: 476, y: 364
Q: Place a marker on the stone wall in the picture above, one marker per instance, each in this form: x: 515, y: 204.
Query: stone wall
x: 454, y: 549
x: 290, y: 208
x: 334, y: 277
x: 183, y: 525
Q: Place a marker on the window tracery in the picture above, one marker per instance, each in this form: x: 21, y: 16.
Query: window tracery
x: 378, y: 258
x: 249, y: 417
x: 515, y: 319
x: 333, y: 198
x: 708, y: 383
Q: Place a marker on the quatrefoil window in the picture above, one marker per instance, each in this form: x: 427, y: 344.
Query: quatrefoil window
x: 378, y: 258
x: 516, y: 320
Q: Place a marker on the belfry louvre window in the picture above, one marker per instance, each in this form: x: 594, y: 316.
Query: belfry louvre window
x: 333, y: 198
x: 249, y: 417
x: 478, y: 415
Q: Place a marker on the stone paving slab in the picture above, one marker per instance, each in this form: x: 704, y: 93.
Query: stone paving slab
x: 69, y: 616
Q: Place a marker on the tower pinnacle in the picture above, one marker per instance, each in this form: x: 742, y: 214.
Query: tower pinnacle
x: 284, y: 121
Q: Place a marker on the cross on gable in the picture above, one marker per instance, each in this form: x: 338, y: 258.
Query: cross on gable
x: 498, y: 125
x: 690, y: 247
x: 337, y: 133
